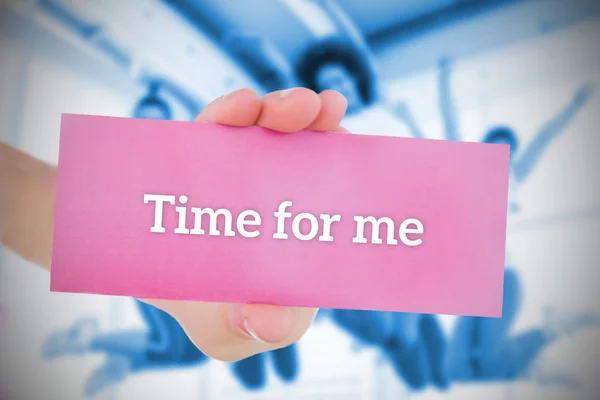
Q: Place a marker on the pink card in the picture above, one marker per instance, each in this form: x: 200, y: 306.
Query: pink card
x: 204, y: 212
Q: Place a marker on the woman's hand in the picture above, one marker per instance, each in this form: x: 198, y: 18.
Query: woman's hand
x: 233, y: 332
x: 226, y: 332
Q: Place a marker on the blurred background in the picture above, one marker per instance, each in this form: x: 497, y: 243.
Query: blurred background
x: 522, y: 72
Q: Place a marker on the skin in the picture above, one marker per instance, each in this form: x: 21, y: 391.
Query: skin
x: 27, y: 188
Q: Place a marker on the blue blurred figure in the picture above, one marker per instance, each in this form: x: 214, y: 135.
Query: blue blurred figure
x: 522, y: 162
x: 162, y: 345
x: 481, y: 348
x: 252, y: 370
x: 334, y: 64
x: 151, y: 106
x: 484, y: 349
x: 342, y: 63
x: 413, y: 344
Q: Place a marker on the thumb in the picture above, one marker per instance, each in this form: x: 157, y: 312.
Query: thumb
x: 232, y: 332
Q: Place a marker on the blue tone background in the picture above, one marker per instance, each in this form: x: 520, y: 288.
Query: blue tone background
x: 519, y: 72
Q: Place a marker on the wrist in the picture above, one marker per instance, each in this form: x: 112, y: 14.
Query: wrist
x: 27, y: 188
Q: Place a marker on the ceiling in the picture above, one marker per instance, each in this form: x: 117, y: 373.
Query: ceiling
x: 375, y: 16
x: 291, y: 23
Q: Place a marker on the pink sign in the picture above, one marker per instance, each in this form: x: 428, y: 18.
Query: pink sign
x: 205, y: 212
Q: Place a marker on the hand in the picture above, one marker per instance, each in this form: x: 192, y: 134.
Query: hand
x: 226, y: 332
x: 231, y: 332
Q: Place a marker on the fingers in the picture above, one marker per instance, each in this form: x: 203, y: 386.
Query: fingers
x: 340, y: 129
x: 333, y: 109
x: 232, y: 332
x: 297, y: 109
x: 286, y: 111
x: 289, y: 110
x: 239, y: 108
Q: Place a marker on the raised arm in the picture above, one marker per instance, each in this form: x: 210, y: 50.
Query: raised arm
x: 447, y: 102
x: 550, y: 131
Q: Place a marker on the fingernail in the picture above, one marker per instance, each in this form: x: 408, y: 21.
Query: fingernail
x: 247, y: 330
x: 285, y: 93
x: 333, y: 91
x: 243, y: 325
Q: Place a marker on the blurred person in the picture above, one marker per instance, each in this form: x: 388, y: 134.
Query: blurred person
x: 151, y: 106
x: 227, y: 332
x: 491, y: 352
x: 252, y: 371
x: 164, y: 345
x: 413, y: 344
x: 161, y: 345
x: 423, y: 362
x: 335, y: 64
x: 486, y: 349
x: 482, y: 348
x: 343, y: 62
x: 524, y: 161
